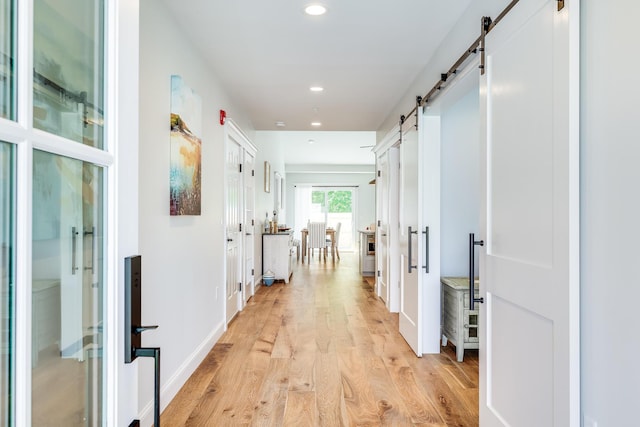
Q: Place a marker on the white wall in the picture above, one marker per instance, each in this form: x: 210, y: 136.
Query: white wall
x: 460, y: 184
x: 457, y: 41
x: 269, y: 149
x: 182, y: 257
x: 610, y: 211
x: 128, y: 191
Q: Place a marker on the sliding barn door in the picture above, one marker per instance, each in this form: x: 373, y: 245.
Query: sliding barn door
x: 410, y: 318
x: 529, y: 346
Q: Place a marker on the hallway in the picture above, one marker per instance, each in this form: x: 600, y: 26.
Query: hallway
x: 323, y: 350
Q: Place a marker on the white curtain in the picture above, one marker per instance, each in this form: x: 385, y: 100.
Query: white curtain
x: 303, y: 208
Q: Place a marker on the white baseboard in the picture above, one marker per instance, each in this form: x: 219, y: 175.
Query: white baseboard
x: 177, y: 380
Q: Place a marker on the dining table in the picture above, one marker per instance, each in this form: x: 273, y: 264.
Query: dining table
x: 331, y: 233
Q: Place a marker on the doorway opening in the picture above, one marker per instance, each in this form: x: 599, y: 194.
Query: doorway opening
x: 331, y: 205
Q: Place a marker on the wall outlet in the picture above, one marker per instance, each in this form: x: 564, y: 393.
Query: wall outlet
x: 589, y: 422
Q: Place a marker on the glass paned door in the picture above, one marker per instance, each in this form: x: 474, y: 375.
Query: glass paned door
x: 68, y: 75
x: 7, y: 59
x: 333, y: 206
x: 67, y: 293
x: 7, y: 236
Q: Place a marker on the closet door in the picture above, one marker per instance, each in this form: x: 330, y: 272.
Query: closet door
x: 249, y: 226
x: 233, y: 193
x: 382, y: 246
x: 529, y: 343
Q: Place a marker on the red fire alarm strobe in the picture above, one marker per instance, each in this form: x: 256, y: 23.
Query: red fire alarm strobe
x: 223, y: 116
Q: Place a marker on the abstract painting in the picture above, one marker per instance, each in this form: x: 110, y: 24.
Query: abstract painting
x: 186, y: 149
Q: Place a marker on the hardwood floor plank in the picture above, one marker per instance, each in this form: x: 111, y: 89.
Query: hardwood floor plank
x: 421, y: 409
x: 301, y: 409
x: 361, y: 404
x: 191, y: 393
x: 323, y: 350
x: 450, y: 405
x: 329, y: 395
x: 272, y: 402
x: 390, y: 407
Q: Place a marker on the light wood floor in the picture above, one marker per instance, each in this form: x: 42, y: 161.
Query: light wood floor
x: 324, y: 351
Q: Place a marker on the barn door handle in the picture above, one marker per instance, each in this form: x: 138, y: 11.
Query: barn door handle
x: 472, y: 267
x: 411, y: 267
x: 426, y: 249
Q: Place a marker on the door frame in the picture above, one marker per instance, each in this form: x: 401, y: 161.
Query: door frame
x: 390, y: 145
x: 465, y: 80
x: 249, y: 182
x: 118, y: 160
x: 232, y: 132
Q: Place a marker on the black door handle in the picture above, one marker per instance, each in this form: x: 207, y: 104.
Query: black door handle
x: 409, y: 233
x: 472, y: 291
x: 140, y: 329
x: 426, y: 249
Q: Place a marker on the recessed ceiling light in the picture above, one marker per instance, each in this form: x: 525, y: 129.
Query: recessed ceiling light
x: 316, y: 124
x: 315, y: 10
x: 280, y: 124
x: 311, y: 141
x: 316, y: 88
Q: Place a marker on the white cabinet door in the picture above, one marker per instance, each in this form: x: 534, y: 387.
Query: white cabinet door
x: 529, y: 346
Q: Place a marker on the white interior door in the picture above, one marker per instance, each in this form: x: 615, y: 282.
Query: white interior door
x: 410, y: 318
x: 529, y: 330
x: 382, y: 195
x: 249, y: 226
x: 429, y: 233
x: 233, y: 216
x: 393, y: 260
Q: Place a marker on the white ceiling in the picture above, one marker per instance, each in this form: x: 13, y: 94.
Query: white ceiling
x: 328, y: 147
x: 365, y: 53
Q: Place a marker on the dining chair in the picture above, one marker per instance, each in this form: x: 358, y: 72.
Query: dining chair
x: 296, y: 244
x: 317, y: 239
x: 336, y: 236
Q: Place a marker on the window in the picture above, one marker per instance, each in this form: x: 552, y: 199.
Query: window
x: 7, y: 60
x: 7, y: 235
x: 68, y: 75
x: 52, y: 215
x: 67, y: 290
x: 335, y: 205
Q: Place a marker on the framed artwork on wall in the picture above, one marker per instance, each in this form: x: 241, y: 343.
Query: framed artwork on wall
x: 185, y: 150
x: 267, y: 177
